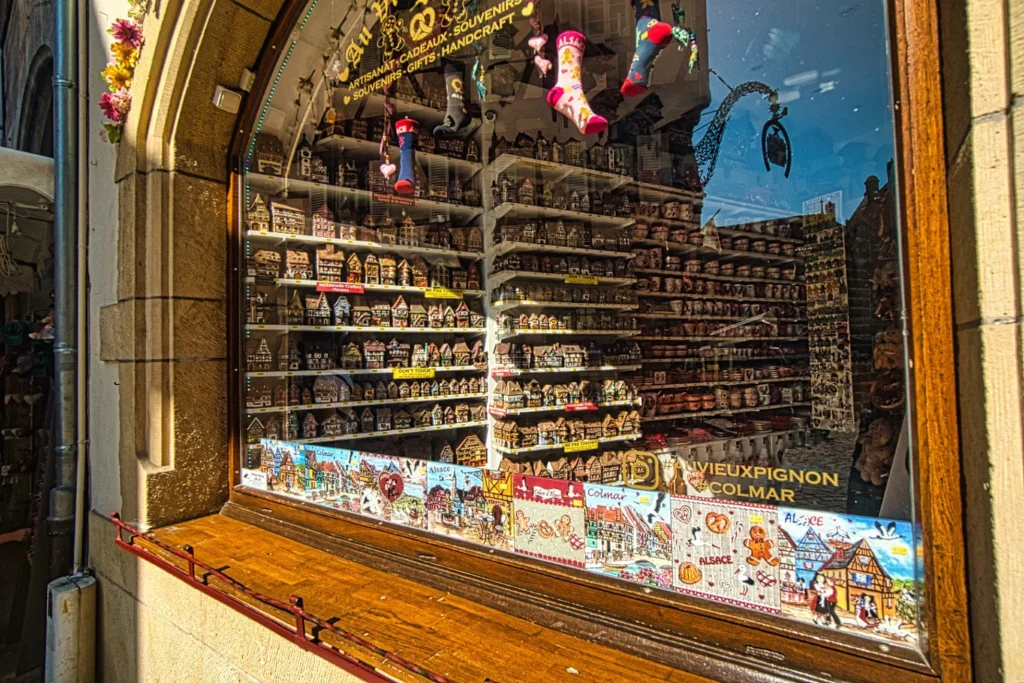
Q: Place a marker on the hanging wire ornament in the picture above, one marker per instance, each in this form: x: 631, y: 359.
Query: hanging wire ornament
x: 685, y: 36
x: 537, y: 42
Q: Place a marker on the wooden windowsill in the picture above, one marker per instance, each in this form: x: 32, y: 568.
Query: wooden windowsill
x: 457, y: 638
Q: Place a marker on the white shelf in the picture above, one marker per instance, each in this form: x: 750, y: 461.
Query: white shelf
x: 554, y: 172
x: 345, y: 372
x: 679, y: 247
x: 527, y: 303
x: 726, y: 278
x: 731, y: 340
x: 561, y: 408
x: 363, y: 404
x: 726, y: 383
x: 581, y: 333
x: 392, y: 432
x: 551, y: 447
x: 722, y: 412
x: 720, y: 359
x: 359, y: 245
x: 503, y: 248
x: 517, y: 210
x: 366, y: 288
x: 716, y: 297
x: 370, y: 149
x: 275, y: 187
x: 518, y: 372
x: 497, y: 279
x: 672, y: 448
x: 648, y: 190
x: 759, y: 318
x: 369, y: 329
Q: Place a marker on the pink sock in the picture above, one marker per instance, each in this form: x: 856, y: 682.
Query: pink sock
x: 567, y: 96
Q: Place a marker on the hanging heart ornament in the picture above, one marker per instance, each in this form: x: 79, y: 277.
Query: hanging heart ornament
x: 387, y: 169
x: 538, y: 42
x: 543, y: 64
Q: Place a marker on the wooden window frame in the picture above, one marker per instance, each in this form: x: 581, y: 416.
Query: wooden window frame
x: 688, y: 633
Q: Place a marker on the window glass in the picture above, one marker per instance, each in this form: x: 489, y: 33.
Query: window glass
x: 610, y: 285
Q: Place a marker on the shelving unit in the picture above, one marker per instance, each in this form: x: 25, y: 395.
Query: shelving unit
x: 362, y: 404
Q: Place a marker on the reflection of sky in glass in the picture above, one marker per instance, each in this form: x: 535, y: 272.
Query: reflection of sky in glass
x: 830, y: 65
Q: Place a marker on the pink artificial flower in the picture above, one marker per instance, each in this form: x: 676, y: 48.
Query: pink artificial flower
x: 115, y: 105
x: 127, y: 31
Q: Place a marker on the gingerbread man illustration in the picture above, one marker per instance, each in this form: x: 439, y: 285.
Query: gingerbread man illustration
x: 522, y: 522
x: 760, y: 547
x: 564, y: 526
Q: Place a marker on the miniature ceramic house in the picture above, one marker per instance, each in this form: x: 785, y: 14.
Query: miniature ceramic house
x: 446, y: 356
x: 461, y: 315
x: 575, y: 152
x: 258, y: 357
x: 297, y: 266
x: 417, y: 316
x: 318, y: 311
x: 287, y: 220
x: 355, y: 269
x: 367, y: 421
x: 446, y: 454
x: 403, y: 273
x: 473, y: 277
x: 404, y: 390
x: 384, y: 423
x: 408, y: 232
x: 462, y: 413
x: 295, y: 313
x: 420, y: 272
x: 477, y: 319
x: 478, y: 355
x: 323, y: 223
x: 325, y: 390
x: 435, y: 316
x: 330, y: 264
x: 399, y: 313
x: 266, y: 264
x: 258, y: 216
x: 258, y: 396
x: 352, y: 357
x: 450, y: 317
x: 402, y: 420
x: 371, y: 270
x: 380, y: 314
x: 461, y: 353
x: 449, y: 415
x: 319, y: 357
x: 373, y: 354
x: 333, y: 425
x: 422, y: 417
x: 440, y: 275
x: 361, y: 316
x: 459, y: 278
x: 609, y: 427
x: 351, y: 422
x: 255, y: 431
x: 398, y: 354
x: 342, y: 311
x: 388, y: 270
x: 309, y: 426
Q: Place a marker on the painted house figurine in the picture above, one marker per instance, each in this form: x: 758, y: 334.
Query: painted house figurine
x: 461, y: 316
x: 420, y: 272
x: 459, y: 278
x: 296, y: 312
x: 258, y: 215
x: 297, y: 266
x: 323, y: 223
x: 398, y: 354
x: 258, y: 396
x: 362, y: 316
x: 371, y: 270
x: 575, y: 153
x: 478, y: 354
x: 388, y: 270
x: 310, y: 427
x: 440, y: 275
x: 408, y: 232
x: 403, y: 273
x: 255, y: 431
x: 333, y: 425
x: 435, y: 316
x: 288, y: 356
x: 318, y: 311
x: 319, y: 357
x: 417, y: 316
x: 367, y: 421
x: 330, y: 264
x: 342, y: 311
x: 355, y: 269
x: 287, y: 219
x: 380, y: 314
x: 258, y: 357
x: 399, y: 313
x: 352, y: 357
x: 269, y: 154
x: 373, y: 354
x: 265, y: 265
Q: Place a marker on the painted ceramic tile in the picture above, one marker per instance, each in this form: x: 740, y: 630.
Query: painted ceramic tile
x: 459, y: 504
x: 550, y: 519
x: 392, y: 490
x: 629, y: 534
x: 849, y: 572
x: 727, y: 552
x: 498, y: 494
x: 283, y: 468
x: 439, y: 500
x: 334, y: 478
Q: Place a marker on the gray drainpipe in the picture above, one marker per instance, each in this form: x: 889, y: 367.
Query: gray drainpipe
x: 65, y: 238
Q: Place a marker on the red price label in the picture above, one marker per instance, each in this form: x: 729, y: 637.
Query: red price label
x: 497, y: 412
x: 393, y: 199
x: 501, y: 373
x: 340, y: 287
x: 580, y: 407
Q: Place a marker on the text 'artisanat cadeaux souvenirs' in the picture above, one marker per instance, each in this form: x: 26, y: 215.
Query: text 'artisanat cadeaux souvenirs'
x: 767, y: 479
x: 429, y: 50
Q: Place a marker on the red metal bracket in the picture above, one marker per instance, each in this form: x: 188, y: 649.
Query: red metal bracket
x: 294, y: 631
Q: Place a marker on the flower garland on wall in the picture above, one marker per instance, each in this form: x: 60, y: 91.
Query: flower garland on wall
x: 116, y: 102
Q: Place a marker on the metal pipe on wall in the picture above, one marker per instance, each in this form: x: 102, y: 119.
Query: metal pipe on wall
x: 65, y: 239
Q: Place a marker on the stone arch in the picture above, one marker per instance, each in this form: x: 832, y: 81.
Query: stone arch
x: 35, y: 129
x: 167, y: 330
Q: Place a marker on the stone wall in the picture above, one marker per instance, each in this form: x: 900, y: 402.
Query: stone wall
x: 983, y: 74
x: 27, y: 49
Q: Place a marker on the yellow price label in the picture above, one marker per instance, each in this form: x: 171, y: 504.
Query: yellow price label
x: 577, y: 446
x: 899, y: 550
x: 756, y: 519
x: 580, y: 279
x: 442, y: 293
x: 414, y: 373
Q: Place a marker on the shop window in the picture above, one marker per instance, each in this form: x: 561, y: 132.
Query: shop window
x: 616, y: 288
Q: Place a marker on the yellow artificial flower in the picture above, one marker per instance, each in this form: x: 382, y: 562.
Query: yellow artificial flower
x: 125, y: 55
x: 117, y: 77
